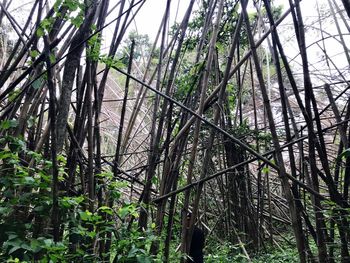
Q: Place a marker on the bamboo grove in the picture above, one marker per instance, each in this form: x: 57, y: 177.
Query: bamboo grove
x: 109, y: 140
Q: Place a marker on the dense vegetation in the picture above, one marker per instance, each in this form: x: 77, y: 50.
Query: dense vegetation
x: 108, y: 141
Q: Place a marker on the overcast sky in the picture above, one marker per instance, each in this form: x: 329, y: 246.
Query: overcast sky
x: 148, y: 20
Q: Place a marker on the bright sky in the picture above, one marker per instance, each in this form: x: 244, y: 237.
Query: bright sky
x: 149, y: 18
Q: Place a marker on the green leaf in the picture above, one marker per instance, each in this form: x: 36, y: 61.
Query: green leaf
x: 154, y: 180
x: 48, y: 242
x: 37, y: 84
x: 57, y: 5
x: 85, y: 216
x: 265, y: 170
x: 4, y: 211
x: 46, y: 23
x: 29, y: 180
x: 52, y: 58
x: 108, y: 175
x: 40, y: 32
x: 115, y: 194
x: 7, y: 124
x: 106, y: 210
x: 123, y: 212
x: 17, y: 145
x: 11, y: 235
x: 71, y: 201
x: 77, y: 21
x: 143, y: 259
x: 6, y: 154
x: 31, y: 121
x: 132, y: 252
x: 34, y: 53
x: 127, y: 210
x: 91, y: 234
x: 35, y: 245
x: 72, y: 4
x: 13, y: 249
x: 39, y: 208
x: 220, y: 46
x: 345, y: 154
x: 26, y: 247
x: 11, y: 260
x: 14, y: 94
x: 61, y: 158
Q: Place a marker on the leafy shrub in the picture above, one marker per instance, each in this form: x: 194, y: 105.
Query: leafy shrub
x: 226, y: 253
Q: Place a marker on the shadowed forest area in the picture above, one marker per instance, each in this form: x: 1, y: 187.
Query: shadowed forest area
x: 232, y: 117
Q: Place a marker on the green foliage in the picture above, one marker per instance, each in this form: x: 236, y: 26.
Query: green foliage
x: 25, y: 194
x: 275, y: 255
x: 111, y: 62
x: 265, y: 170
x: 226, y: 27
x: 34, y: 53
x: 37, y: 83
x: 185, y: 83
x: 133, y: 245
x: 14, y: 94
x: 265, y: 136
x: 72, y: 5
x: 94, y: 53
x: 73, y: 12
x: 276, y: 13
x: 45, y: 26
x: 345, y: 154
x: 94, y: 47
x: 226, y: 253
x: 231, y: 94
x: 243, y: 129
x: 7, y: 124
x: 228, y: 23
x: 26, y: 209
x: 142, y: 48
